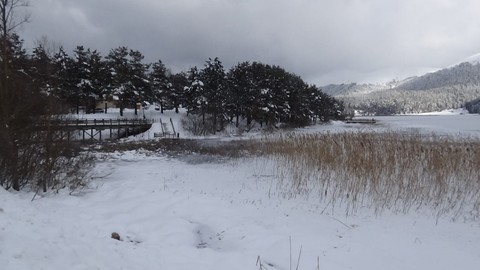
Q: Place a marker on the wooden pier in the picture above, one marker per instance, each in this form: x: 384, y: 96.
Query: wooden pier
x: 91, y: 129
x: 361, y: 121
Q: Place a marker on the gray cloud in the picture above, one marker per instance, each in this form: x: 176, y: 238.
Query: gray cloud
x: 324, y: 41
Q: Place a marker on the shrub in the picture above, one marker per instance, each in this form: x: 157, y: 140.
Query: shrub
x: 44, y: 158
x: 196, y: 126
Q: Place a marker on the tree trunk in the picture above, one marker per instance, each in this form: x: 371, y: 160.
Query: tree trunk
x: 214, y: 122
x: 14, y: 168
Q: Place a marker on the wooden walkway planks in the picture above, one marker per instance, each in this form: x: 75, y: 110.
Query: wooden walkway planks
x: 91, y: 129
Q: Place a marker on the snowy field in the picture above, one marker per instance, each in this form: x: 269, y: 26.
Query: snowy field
x: 175, y: 213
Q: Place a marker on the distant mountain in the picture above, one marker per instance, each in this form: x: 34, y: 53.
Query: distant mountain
x: 448, y: 88
x: 474, y: 59
x: 462, y: 74
x: 352, y: 89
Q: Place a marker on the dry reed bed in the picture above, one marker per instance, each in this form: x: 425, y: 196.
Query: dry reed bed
x: 399, y: 172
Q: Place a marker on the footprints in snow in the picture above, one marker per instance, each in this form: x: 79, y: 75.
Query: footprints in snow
x: 204, y: 237
x: 208, y: 238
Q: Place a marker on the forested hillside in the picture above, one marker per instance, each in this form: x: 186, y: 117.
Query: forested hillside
x: 40, y: 87
x: 249, y: 91
x: 462, y: 74
x: 448, y: 88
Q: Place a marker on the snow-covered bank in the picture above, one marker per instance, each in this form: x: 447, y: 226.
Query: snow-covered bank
x: 176, y: 215
x: 197, y: 213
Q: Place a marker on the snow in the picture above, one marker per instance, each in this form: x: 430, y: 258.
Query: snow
x: 460, y: 111
x: 196, y: 213
x: 455, y: 122
x: 474, y: 59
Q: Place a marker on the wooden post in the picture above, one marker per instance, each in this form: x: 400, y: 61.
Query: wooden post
x: 173, y: 128
x: 161, y: 125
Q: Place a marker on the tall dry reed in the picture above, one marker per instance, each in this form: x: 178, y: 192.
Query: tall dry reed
x: 399, y: 172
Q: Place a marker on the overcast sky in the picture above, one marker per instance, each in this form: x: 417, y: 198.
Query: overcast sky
x: 324, y: 41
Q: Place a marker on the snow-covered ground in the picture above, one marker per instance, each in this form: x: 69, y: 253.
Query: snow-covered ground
x: 174, y: 213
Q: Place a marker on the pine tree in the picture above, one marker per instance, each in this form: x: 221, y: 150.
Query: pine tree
x: 243, y: 92
x: 159, y: 83
x: 176, y: 90
x: 194, y: 100
x: 99, y: 77
x: 128, y: 77
x: 138, y: 78
x: 42, y: 70
x: 63, y: 83
x: 117, y: 63
x: 274, y: 95
x: 299, y: 100
x: 81, y: 75
x: 214, y: 79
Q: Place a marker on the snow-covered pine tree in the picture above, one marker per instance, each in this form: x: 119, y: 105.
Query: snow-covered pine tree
x: 42, y: 69
x: 159, y: 83
x: 138, y: 78
x: 81, y: 73
x: 128, y: 76
x: 176, y: 91
x: 193, y: 97
x: 117, y: 65
x: 99, y: 77
x: 243, y: 93
x: 63, y: 80
x: 214, y: 79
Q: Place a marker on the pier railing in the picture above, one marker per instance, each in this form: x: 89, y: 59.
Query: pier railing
x: 91, y: 129
x: 94, y: 123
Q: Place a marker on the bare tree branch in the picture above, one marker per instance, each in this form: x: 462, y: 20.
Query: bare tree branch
x: 50, y: 47
x: 9, y: 19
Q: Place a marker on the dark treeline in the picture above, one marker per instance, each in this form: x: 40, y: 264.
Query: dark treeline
x: 249, y: 91
x: 33, y: 154
x: 473, y: 106
x: 39, y: 87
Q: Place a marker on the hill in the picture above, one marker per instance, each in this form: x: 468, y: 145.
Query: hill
x: 451, y: 87
x: 465, y: 73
